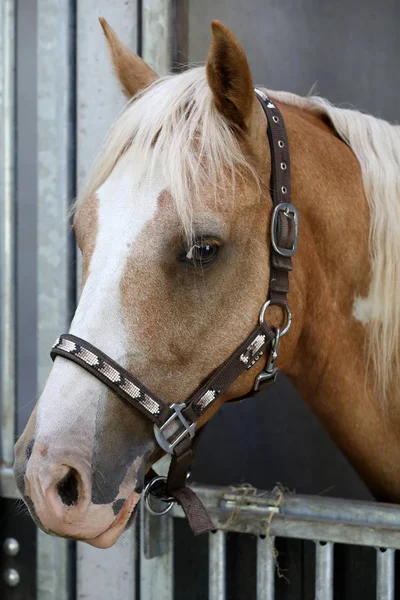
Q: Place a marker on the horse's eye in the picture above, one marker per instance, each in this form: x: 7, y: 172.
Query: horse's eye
x: 202, y: 253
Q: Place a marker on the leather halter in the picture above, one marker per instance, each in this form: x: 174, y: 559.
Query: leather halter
x: 175, y: 424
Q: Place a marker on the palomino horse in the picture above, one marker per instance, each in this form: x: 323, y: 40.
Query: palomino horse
x: 174, y: 229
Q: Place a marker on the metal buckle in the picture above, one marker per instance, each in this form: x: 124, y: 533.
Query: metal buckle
x: 288, y: 210
x: 148, y: 494
x: 270, y: 371
x: 188, y: 429
x: 285, y: 308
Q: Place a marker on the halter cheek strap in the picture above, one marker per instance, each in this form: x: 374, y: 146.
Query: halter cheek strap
x: 175, y: 424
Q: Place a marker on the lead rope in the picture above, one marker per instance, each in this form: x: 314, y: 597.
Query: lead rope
x: 185, y: 415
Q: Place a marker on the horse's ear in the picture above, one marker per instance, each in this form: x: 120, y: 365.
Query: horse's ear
x: 229, y: 76
x: 133, y: 73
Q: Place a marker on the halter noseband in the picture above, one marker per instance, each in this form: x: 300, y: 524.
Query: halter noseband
x: 175, y: 424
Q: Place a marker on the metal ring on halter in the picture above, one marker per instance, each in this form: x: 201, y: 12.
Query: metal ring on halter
x: 147, y: 493
x: 284, y: 307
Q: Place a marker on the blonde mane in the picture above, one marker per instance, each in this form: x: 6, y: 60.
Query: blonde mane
x: 174, y: 123
x: 376, y: 144
x: 164, y: 120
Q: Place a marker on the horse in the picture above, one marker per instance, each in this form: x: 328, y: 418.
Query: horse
x: 174, y: 227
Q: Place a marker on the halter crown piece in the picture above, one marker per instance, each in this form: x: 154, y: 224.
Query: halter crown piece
x: 175, y: 424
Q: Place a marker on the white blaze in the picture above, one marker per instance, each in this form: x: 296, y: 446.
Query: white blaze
x: 124, y: 208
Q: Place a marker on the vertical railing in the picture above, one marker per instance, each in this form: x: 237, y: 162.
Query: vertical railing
x: 156, y: 35
x: 217, y: 566
x: 385, y: 574
x: 323, y: 571
x: 156, y: 550
x: 56, y: 184
x: 7, y: 228
x: 156, y: 560
x: 265, y: 568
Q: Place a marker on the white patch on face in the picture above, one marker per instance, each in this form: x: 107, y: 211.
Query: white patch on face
x: 71, y: 395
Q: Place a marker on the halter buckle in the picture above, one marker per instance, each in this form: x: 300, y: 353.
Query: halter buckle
x: 164, y: 438
x: 290, y: 212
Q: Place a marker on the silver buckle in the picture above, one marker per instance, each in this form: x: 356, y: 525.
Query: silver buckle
x: 290, y: 211
x: 161, y: 435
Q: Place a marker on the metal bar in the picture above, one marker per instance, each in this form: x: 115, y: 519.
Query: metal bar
x: 179, y: 42
x: 216, y: 566
x: 7, y: 228
x: 101, y: 574
x: 157, y: 35
x: 8, y: 487
x: 303, y: 517
x: 97, y: 111
x: 265, y: 568
x: 385, y: 574
x: 156, y: 558
x: 56, y: 172
x: 56, y: 182
x: 157, y: 547
x: 108, y: 574
x: 323, y: 571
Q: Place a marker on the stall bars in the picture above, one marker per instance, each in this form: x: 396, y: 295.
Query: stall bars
x: 325, y: 521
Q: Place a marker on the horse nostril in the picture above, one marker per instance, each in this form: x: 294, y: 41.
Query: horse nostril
x: 68, y: 487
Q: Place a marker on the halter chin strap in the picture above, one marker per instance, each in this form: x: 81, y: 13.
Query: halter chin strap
x: 175, y: 424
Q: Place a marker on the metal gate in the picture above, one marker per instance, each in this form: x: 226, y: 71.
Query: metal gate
x: 150, y: 573
x: 71, y: 121
x: 270, y: 515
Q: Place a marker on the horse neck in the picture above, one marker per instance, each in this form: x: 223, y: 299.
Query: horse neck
x: 328, y: 363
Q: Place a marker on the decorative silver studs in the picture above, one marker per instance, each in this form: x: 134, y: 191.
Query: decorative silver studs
x: 67, y: 345
x: 283, y: 166
x: 275, y: 119
x: 207, y: 398
x: 284, y: 189
x: 111, y: 373
x: 130, y: 388
x: 280, y: 144
x: 252, y: 350
x: 89, y: 357
x: 150, y: 404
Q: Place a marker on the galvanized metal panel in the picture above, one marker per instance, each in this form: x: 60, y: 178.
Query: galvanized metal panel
x: 99, y: 98
x: 56, y: 172
x: 101, y: 575
x: 156, y: 32
x: 156, y: 549
x: 303, y: 517
x: 8, y: 487
x: 108, y: 574
x: 217, y: 566
x: 323, y: 571
x: 56, y: 180
x: 156, y: 560
x: 385, y: 574
x: 265, y: 568
x: 7, y: 228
